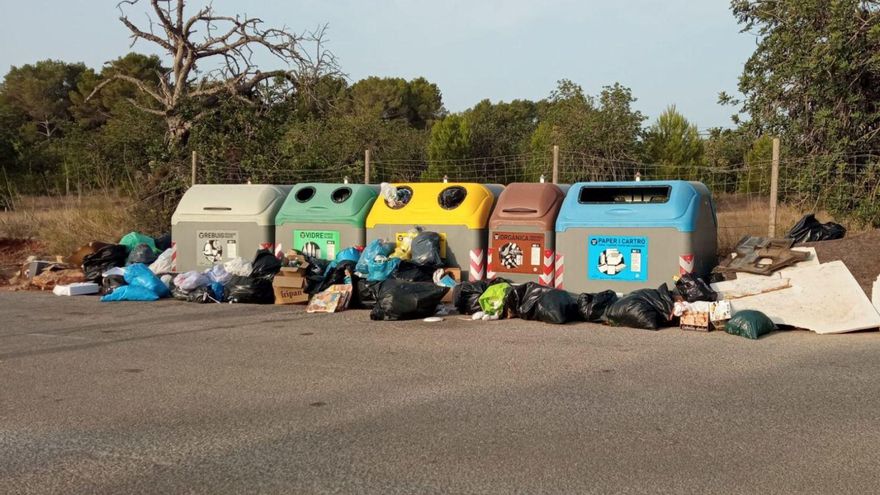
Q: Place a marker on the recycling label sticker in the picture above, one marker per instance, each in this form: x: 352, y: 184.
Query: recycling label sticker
x: 616, y: 257
x: 215, y: 246
x: 516, y: 252
x: 321, y: 244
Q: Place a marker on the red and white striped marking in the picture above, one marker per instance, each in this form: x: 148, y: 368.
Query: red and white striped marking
x: 559, y: 282
x: 489, y: 273
x: 546, y: 276
x: 476, y: 267
x: 173, y: 256
x: 685, y: 264
x: 279, y: 251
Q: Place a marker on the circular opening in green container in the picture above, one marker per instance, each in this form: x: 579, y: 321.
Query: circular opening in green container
x: 305, y: 194
x: 341, y: 194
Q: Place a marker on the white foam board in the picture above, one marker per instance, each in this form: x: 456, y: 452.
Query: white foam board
x: 76, y: 289
x: 825, y: 298
x: 750, y: 286
x: 875, y: 294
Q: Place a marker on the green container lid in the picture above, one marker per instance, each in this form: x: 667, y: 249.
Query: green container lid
x: 316, y: 202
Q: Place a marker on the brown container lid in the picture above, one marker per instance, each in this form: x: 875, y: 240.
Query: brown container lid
x: 528, y: 204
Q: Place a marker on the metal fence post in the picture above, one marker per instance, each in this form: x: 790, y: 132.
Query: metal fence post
x: 555, y: 164
x: 195, y: 161
x: 367, y: 166
x: 774, y: 187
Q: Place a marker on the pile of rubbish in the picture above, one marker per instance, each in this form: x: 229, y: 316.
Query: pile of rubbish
x: 764, y: 284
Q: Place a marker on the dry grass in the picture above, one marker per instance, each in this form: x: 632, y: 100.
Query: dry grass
x: 738, y: 217
x: 64, y: 223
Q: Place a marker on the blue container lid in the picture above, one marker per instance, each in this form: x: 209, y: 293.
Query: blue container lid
x: 673, y: 203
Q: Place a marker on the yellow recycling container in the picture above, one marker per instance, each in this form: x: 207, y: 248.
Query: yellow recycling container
x: 458, y: 211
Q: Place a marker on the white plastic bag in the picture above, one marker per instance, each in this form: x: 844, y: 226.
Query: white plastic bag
x: 218, y: 273
x: 389, y: 194
x: 238, y: 266
x: 164, y: 263
x: 116, y: 270
x: 191, y: 280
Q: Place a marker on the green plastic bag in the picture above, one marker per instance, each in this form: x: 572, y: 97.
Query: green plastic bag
x: 132, y: 239
x: 492, y: 300
x: 749, y: 324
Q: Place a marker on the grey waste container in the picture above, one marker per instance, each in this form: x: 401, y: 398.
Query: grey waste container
x: 631, y: 235
x: 214, y: 223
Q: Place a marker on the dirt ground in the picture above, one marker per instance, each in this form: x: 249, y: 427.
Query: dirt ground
x: 13, y: 252
x: 859, y: 252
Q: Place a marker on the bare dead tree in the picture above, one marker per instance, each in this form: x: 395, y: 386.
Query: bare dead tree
x: 227, y: 46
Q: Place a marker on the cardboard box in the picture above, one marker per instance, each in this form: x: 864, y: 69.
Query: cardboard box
x: 706, y: 316
x: 291, y: 271
x: 456, y: 274
x: 293, y: 258
x: 290, y: 288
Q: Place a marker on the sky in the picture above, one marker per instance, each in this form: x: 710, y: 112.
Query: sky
x: 669, y: 52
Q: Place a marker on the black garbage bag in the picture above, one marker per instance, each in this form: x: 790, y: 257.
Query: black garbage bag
x: 367, y: 292
x: 248, y: 290
x: 201, y: 295
x: 546, y: 304
x: 315, y: 274
x: 643, y: 308
x: 592, y: 307
x: 514, y: 298
x: 107, y: 257
x: 808, y: 229
x: 400, y: 300
x: 426, y: 249
x: 452, y: 196
x: 466, y: 295
x: 266, y: 265
x: 142, y: 253
x: 109, y: 284
x: 337, y: 275
x: 408, y: 271
x: 692, y: 289
x: 523, y: 299
x: 163, y: 242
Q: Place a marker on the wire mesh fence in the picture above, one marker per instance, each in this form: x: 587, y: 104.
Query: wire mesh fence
x: 842, y: 187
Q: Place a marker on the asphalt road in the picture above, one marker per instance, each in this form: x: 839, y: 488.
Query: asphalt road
x: 171, y: 397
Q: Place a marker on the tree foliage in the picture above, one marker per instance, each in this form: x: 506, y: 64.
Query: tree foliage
x: 605, y: 126
x: 675, y: 144
x: 814, y: 77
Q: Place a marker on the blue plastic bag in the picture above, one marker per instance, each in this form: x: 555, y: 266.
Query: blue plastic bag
x: 379, y: 271
x: 217, y: 289
x: 138, y: 275
x: 375, y: 248
x: 348, y: 254
x: 130, y: 293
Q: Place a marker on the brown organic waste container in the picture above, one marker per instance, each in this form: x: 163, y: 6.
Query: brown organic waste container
x: 522, y: 232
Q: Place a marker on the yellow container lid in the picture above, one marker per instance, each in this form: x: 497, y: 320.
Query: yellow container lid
x: 426, y: 205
